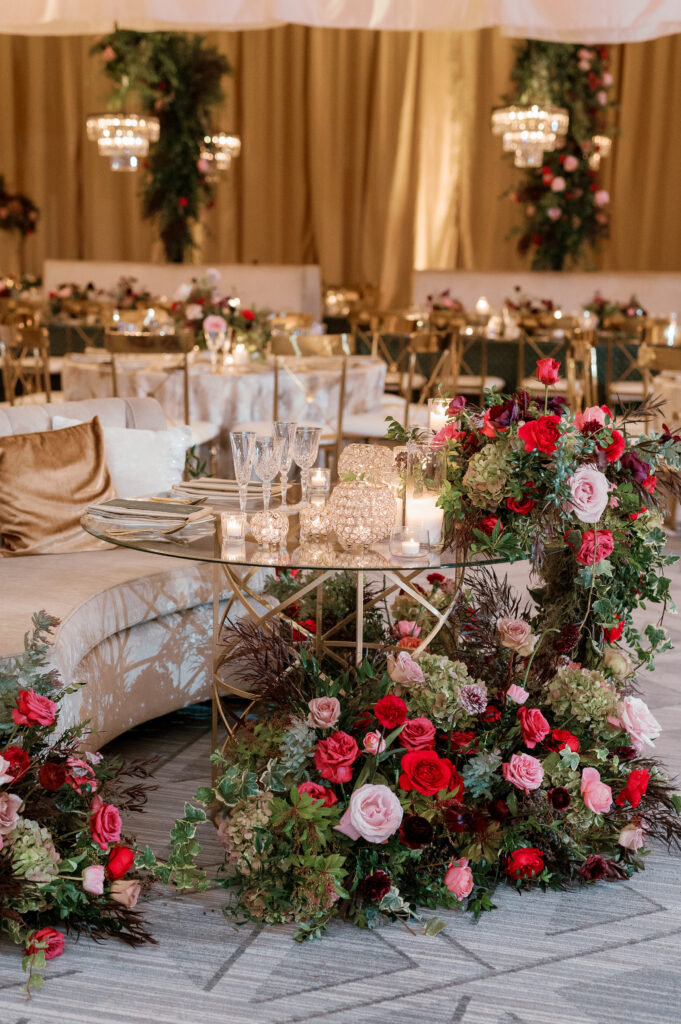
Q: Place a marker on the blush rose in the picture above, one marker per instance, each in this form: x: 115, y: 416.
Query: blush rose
x: 523, y: 771
x: 636, y: 719
x: 590, y: 492
x: 93, y: 879
x: 374, y: 814
x: 596, y: 795
x: 516, y: 635
x: 403, y: 670
x: 324, y: 712
x: 9, y: 811
x: 459, y: 878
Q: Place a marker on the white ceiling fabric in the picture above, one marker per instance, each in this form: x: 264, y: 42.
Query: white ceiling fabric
x: 584, y: 21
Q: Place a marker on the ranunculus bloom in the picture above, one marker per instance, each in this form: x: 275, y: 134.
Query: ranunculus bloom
x: 324, y: 712
x: 459, y: 878
x: 548, y: 371
x: 636, y: 719
x: 590, y: 491
x: 516, y: 635
x: 52, y: 776
x: 416, y: 832
x: 334, y: 757
x: 560, y: 738
x: 9, y: 811
x: 428, y: 773
x: 635, y: 788
x: 374, y: 813
x: 47, y: 939
x: 516, y: 694
x: 596, y: 794
x: 122, y: 858
x: 376, y: 886
x: 533, y: 726
x: 93, y: 879
x: 16, y: 763
x: 613, y: 633
x: 126, y: 892
x: 558, y: 184
x: 390, y: 711
x: 632, y: 837
x: 523, y: 771
x: 404, y: 670
x: 521, y: 507
x: 618, y: 662
x: 596, y: 546
x: 418, y: 734
x: 373, y: 742
x: 525, y: 862
x: 105, y: 823
x: 32, y: 709
x: 80, y: 776
x: 541, y: 435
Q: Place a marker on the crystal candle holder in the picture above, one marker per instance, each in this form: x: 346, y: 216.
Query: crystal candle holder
x: 270, y: 528
x: 410, y: 544
x: 320, y: 482
x: 362, y: 513
x: 232, y: 528
x: 314, y: 522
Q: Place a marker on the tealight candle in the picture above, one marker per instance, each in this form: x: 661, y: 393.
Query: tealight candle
x: 410, y: 547
x: 320, y: 481
x: 233, y: 526
x: 437, y: 413
x: 241, y: 357
x: 482, y: 306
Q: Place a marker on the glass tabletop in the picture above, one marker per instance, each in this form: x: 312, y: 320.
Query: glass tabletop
x: 203, y: 543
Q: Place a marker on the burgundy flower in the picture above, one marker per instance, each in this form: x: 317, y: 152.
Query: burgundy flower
x: 559, y: 798
x: 376, y: 886
x: 637, y: 467
x: 499, y: 810
x: 625, y: 753
x: 594, y: 868
x: 416, y: 832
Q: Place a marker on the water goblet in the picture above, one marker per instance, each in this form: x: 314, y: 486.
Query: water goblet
x: 305, y: 448
x: 267, y: 463
x: 214, y: 342
x: 285, y: 430
x: 243, y: 451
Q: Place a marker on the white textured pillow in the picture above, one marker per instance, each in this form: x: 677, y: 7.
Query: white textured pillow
x: 141, y: 461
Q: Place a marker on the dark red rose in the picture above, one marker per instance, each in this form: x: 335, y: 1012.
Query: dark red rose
x: 334, y: 757
x: 639, y: 469
x: 635, y: 789
x: 121, y: 859
x: 525, y: 862
x: 435, y: 577
x: 626, y: 753
x: 183, y: 201
x: 376, y: 886
x: 461, y: 740
x: 488, y: 524
x: 559, y: 798
x: 418, y: 734
x: 499, y: 810
x: 491, y: 714
x: 521, y: 508
x: 541, y: 435
x: 560, y: 738
x: 390, y: 711
x: 309, y: 624
x: 416, y: 832
x: 428, y: 774
x: 52, y: 776
x: 547, y: 371
x: 614, y: 632
x: 594, y: 868
x: 533, y: 726
x: 615, y: 449
x: 19, y: 762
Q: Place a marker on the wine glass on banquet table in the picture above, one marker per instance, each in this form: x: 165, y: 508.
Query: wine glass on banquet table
x: 285, y: 430
x: 305, y: 448
x: 214, y: 342
x: 243, y: 452
x: 267, y: 463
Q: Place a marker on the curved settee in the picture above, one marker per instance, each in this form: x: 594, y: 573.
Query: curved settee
x: 134, y: 628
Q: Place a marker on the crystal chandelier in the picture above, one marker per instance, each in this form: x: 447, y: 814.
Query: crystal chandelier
x: 123, y: 138
x: 600, y: 148
x: 218, y: 151
x: 530, y: 131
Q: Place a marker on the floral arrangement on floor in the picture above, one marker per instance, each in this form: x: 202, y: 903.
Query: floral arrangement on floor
x: 563, y: 203
x: 200, y: 298
x: 612, y: 313
x: 66, y: 863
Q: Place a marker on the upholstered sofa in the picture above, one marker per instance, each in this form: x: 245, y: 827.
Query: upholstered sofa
x: 135, y: 628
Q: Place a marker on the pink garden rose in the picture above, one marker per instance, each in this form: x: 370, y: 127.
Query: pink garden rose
x: 9, y: 811
x: 590, y: 491
x: 523, y: 771
x: 374, y: 813
x: 32, y: 709
x: 459, y: 878
x: 373, y: 742
x: 324, y: 712
x: 632, y: 837
x: 404, y: 670
x: 93, y: 879
x: 5, y: 774
x: 215, y: 324
x: 533, y: 726
x: 595, y: 794
x: 635, y: 718
x: 126, y: 892
x: 418, y: 734
x: 554, y: 213
x: 516, y: 635
x: 596, y: 546
x: 105, y: 823
x: 516, y: 694
x: 594, y: 416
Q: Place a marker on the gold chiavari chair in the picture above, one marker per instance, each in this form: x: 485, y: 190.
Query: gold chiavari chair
x: 661, y: 359
x: 471, y: 346
x: 26, y: 365
x: 569, y: 345
x: 313, y: 345
x: 623, y: 378
x: 292, y: 321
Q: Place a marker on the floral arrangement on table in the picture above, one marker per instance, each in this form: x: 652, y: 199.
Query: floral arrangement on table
x: 614, y: 314
x: 67, y: 299
x: 17, y: 212
x: 127, y: 294
x: 443, y: 302
x: 65, y: 860
x: 532, y: 311
x: 12, y: 287
x: 200, y: 298
x: 563, y: 203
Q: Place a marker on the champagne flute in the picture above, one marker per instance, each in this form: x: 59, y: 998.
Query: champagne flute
x: 214, y: 342
x: 305, y: 448
x: 267, y: 463
x: 285, y: 430
x: 243, y: 451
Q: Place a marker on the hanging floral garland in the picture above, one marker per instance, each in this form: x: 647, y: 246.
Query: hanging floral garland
x: 564, y: 204
x: 178, y: 79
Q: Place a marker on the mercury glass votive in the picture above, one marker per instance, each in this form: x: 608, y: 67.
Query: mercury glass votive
x: 314, y: 522
x: 270, y: 528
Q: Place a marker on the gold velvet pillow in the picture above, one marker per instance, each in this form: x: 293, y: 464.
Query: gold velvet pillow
x: 47, y: 480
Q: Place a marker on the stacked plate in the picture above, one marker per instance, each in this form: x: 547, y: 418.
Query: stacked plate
x: 225, y: 493
x: 151, y: 516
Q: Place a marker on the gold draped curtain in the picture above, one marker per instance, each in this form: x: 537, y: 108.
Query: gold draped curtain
x: 367, y: 152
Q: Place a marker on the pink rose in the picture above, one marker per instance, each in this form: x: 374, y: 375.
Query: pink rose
x: 324, y: 712
x: 596, y: 546
x: 93, y: 879
x: 449, y: 432
x: 32, y: 709
x: 80, y: 776
x: 570, y: 163
x: 533, y: 726
x: 406, y: 628
x: 108, y: 54
x: 558, y: 184
x: 9, y: 811
x: 374, y: 813
x: 595, y: 794
x: 215, y: 324
x: 590, y: 491
x: 607, y: 79
x: 523, y: 771
x: 404, y: 670
x: 126, y: 892
x: 554, y: 213
x: 602, y: 98
x: 516, y: 694
x: 459, y: 878
x: 635, y: 718
x: 373, y: 742
x: 584, y: 65
x: 334, y: 757
x: 418, y: 734
x: 632, y: 837
x: 601, y: 198
x: 594, y: 415
x: 516, y: 635
x: 5, y: 775
x: 105, y: 823
x: 530, y: 210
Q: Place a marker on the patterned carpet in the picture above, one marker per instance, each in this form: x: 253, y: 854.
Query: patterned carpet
x: 607, y: 954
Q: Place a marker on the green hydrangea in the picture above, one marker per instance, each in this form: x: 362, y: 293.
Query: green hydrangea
x: 583, y: 695
x: 241, y: 832
x: 34, y: 858
x: 485, y: 480
x: 297, y: 750
x: 437, y: 697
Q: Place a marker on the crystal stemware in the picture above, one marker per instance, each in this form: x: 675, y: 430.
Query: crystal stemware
x: 285, y: 430
x: 243, y: 451
x: 305, y: 448
x: 267, y: 463
x: 214, y: 342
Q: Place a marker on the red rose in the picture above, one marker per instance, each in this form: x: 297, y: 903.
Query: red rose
x: 318, y: 792
x: 635, y: 789
x: 248, y: 314
x: 487, y: 525
x: 560, y: 738
x: 105, y: 823
x: 309, y: 624
x: 522, y: 508
x: 649, y: 484
x: 428, y: 774
x: 19, y: 762
x: 334, y: 757
x: 418, y: 734
x: 491, y: 713
x: 614, y: 632
x: 183, y: 201
x: 547, y: 371
x: 461, y: 739
x: 525, y: 862
x: 595, y: 547
x: 390, y: 711
x: 435, y: 577
x: 634, y: 515
x: 32, y: 709
x: 47, y: 940
x: 541, y: 434
x: 52, y: 776
x: 615, y: 449
x: 121, y: 859
x: 533, y: 726
x: 409, y: 643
